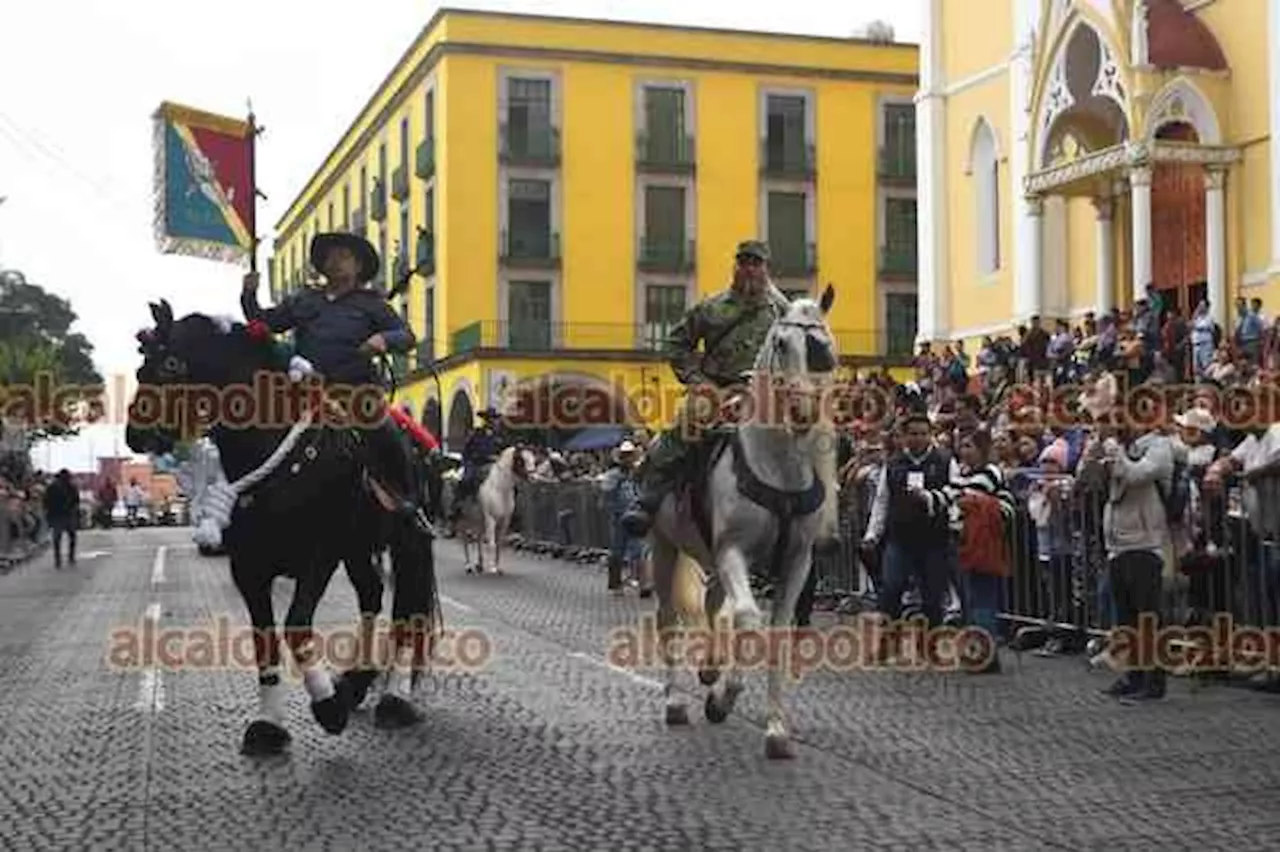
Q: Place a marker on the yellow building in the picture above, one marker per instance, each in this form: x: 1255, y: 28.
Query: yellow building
x: 1074, y: 151
x: 566, y: 188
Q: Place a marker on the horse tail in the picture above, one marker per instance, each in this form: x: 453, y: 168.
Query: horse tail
x: 689, y: 590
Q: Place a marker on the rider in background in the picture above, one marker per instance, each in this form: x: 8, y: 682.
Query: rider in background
x: 481, y: 449
x: 338, y: 329
x: 731, y: 326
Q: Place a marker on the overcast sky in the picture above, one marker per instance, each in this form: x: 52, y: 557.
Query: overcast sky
x: 82, y: 78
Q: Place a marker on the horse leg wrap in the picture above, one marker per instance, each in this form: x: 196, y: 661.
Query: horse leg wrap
x: 271, y: 697
x: 315, y: 674
x: 400, y: 680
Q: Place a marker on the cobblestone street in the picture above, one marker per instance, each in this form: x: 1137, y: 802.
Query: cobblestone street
x: 549, y: 748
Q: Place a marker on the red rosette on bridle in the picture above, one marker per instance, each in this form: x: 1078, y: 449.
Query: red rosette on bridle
x: 258, y: 330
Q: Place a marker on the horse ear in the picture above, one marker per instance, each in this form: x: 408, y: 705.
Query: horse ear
x: 162, y: 314
x: 828, y: 299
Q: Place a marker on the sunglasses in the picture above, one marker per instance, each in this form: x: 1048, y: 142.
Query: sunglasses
x: 750, y: 260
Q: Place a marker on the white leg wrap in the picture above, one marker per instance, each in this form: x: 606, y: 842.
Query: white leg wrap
x: 400, y: 678
x: 271, y: 701
x: 319, y: 684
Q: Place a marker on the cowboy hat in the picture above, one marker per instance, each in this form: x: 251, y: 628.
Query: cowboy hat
x: 626, y: 448
x: 322, y: 244
x: 1196, y: 418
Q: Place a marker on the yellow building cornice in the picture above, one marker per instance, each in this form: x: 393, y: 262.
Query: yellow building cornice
x: 349, y: 146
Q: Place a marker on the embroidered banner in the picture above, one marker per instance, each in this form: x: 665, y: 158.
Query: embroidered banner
x: 204, y: 190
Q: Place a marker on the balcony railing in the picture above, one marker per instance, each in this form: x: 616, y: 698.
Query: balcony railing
x: 530, y: 250
x: 400, y: 182
x: 424, y: 352
x: 424, y: 159
x: 424, y: 256
x: 534, y: 146
x: 399, y: 267
x: 795, y: 162
x: 358, y: 224
x: 794, y: 261
x: 665, y: 153
x: 537, y: 337
x: 899, y: 261
x: 378, y: 201
x: 659, y: 254
x: 897, y: 164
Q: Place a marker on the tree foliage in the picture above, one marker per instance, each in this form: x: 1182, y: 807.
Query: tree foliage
x: 42, y: 360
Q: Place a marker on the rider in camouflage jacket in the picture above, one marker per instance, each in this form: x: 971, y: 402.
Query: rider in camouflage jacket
x: 731, y: 326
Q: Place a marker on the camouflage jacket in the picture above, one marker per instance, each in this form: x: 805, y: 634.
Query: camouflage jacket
x: 731, y: 331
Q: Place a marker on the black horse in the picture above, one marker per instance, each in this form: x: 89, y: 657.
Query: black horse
x: 317, y: 506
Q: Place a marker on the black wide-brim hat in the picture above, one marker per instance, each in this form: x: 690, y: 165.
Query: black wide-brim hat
x: 364, y: 251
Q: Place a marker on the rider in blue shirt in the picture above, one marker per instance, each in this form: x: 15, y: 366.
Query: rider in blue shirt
x: 481, y: 449
x: 338, y: 329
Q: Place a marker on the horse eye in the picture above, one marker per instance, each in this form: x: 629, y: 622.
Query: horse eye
x: 172, y: 364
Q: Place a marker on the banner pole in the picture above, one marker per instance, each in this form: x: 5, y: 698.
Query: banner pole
x: 253, y: 192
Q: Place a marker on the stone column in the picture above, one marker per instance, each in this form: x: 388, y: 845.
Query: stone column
x: 1027, y: 248
x: 1140, y: 196
x: 1273, y: 49
x: 931, y: 193
x: 1104, y: 273
x: 1215, y: 242
x: 1030, y: 289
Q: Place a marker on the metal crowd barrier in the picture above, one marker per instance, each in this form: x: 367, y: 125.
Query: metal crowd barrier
x: 1059, y: 589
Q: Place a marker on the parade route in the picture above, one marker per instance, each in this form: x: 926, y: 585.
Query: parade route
x: 550, y: 746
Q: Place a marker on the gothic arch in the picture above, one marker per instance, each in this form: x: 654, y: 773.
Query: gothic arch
x: 1083, y: 80
x: 980, y: 126
x: 1181, y: 101
x: 984, y: 172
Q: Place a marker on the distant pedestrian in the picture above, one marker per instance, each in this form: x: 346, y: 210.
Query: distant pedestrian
x: 62, y: 513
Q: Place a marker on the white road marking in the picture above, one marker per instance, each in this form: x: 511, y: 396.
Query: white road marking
x: 605, y: 664
x: 93, y: 554
x: 445, y: 599
x: 151, y: 684
x: 157, y: 568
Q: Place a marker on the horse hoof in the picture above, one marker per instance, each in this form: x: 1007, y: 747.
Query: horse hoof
x: 334, y: 712
x: 394, y: 712
x: 717, y: 711
x: 778, y: 747
x: 677, y: 714
x: 360, y: 680
x: 264, y: 739
x: 708, y: 676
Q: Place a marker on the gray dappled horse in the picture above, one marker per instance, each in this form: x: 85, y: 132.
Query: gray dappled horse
x: 765, y: 497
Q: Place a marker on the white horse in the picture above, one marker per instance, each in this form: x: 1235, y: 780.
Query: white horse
x: 485, y: 518
x: 769, y: 495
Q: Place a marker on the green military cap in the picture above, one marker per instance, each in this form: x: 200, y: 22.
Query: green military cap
x: 753, y: 248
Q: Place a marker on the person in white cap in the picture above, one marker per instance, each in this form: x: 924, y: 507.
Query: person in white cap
x: 621, y: 487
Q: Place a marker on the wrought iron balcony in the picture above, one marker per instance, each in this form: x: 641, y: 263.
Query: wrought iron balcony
x: 424, y: 256
x: 378, y: 201
x: 425, y: 352
x: 899, y: 261
x: 532, y: 146
x: 530, y: 250
x: 897, y: 164
x: 424, y: 160
x: 358, y: 224
x: 792, y: 162
x: 529, y: 336
x: 794, y: 261
x: 659, y: 254
x: 535, y: 336
x: 665, y: 153
x: 400, y: 182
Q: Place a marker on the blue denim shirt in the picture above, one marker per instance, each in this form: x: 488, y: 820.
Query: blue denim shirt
x: 329, y: 332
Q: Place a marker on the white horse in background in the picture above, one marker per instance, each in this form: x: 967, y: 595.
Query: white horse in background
x: 486, y: 517
x: 767, y: 497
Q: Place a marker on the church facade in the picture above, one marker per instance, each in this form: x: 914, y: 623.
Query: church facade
x: 1072, y: 152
